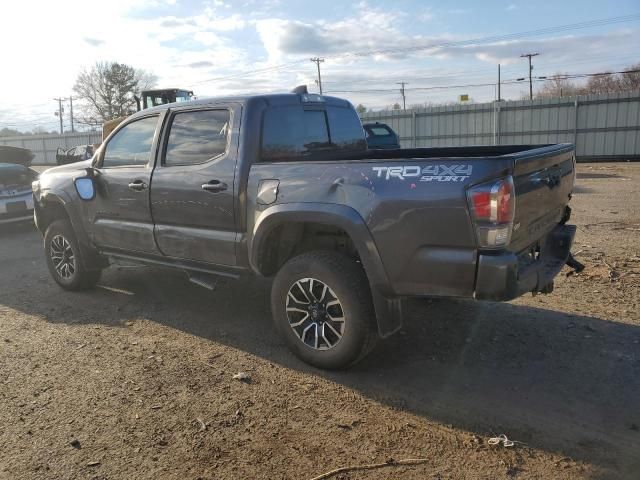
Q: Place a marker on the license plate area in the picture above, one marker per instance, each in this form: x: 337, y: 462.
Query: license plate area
x: 16, y: 207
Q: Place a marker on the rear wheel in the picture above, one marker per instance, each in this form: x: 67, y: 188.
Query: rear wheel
x: 64, y: 258
x: 322, y: 306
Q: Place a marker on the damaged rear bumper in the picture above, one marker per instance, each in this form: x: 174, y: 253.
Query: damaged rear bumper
x: 506, y: 276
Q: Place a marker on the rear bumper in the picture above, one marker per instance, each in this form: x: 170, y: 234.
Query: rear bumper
x: 507, y: 276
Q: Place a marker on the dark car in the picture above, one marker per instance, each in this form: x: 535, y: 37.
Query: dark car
x: 381, y: 136
x: 16, y: 198
x: 75, y: 154
x: 284, y: 186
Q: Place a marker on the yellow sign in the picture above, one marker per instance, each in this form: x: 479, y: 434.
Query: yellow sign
x: 464, y: 97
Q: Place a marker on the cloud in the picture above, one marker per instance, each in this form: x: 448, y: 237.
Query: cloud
x: 187, y: 43
x: 94, y: 42
x: 556, y: 49
x: 201, y: 64
x: 426, y: 16
x: 511, y: 7
x: 369, y: 29
x: 173, y: 22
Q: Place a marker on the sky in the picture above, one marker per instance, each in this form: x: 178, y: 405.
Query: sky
x: 221, y: 47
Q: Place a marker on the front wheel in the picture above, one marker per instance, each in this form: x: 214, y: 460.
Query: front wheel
x: 322, y: 306
x: 64, y: 258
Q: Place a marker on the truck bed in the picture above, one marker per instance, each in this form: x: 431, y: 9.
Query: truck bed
x: 414, y: 202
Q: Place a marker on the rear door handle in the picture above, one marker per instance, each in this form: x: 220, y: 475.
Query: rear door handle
x: 214, y: 186
x: 138, y: 185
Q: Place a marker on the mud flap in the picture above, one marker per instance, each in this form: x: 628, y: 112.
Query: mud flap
x: 575, y: 264
x: 388, y: 313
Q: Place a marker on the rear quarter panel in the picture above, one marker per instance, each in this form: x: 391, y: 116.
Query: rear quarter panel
x: 420, y: 223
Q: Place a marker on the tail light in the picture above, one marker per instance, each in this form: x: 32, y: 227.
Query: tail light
x: 492, y: 208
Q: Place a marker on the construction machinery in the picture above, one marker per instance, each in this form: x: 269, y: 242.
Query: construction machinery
x: 148, y: 99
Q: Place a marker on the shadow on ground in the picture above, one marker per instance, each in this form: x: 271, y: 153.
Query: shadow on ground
x: 555, y: 381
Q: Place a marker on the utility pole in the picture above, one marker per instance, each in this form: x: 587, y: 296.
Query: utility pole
x: 499, y: 82
x: 404, y: 101
x: 318, y: 61
x: 71, y: 113
x: 60, y: 112
x: 529, y: 55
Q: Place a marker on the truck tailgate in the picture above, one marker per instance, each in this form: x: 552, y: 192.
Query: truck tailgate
x: 543, y: 180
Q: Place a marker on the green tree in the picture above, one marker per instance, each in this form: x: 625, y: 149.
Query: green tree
x: 106, y: 90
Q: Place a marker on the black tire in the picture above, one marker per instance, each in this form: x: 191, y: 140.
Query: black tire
x: 75, y: 276
x: 346, y: 280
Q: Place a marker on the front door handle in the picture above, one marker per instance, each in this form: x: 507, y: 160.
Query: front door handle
x: 214, y: 186
x: 137, y: 185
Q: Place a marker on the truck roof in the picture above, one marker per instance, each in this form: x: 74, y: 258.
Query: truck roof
x: 273, y: 99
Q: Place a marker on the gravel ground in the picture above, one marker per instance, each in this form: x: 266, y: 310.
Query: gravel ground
x: 134, y: 378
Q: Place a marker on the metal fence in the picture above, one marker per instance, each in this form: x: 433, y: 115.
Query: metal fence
x: 603, y: 127
x: 44, y: 146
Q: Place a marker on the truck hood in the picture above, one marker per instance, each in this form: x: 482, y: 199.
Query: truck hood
x: 16, y: 155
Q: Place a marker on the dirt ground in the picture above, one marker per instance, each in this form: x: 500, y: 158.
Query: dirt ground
x: 133, y: 380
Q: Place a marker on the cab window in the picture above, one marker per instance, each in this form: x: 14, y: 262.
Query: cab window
x: 294, y: 132
x: 197, y: 137
x: 131, y: 145
x: 289, y: 132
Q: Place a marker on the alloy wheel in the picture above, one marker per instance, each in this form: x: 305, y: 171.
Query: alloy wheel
x: 315, y: 314
x: 62, y: 256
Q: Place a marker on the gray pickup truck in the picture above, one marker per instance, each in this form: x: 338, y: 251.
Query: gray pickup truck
x: 283, y: 186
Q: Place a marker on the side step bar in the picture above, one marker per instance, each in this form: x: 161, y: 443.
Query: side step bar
x: 207, y: 281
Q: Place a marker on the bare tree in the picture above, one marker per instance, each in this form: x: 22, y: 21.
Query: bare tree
x: 606, y: 83
x: 146, y: 80
x: 560, y: 86
x: 630, y: 79
x: 557, y: 86
x: 107, y: 90
x: 361, y: 109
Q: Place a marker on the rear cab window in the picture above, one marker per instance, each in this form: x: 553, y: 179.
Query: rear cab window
x: 296, y: 132
x: 197, y: 137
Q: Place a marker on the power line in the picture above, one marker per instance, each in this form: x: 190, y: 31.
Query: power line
x: 492, y: 84
x: 249, y: 72
x: 482, y: 74
x: 460, y: 43
x: 498, y: 38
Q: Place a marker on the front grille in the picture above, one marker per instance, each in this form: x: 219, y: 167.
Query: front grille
x: 10, y: 191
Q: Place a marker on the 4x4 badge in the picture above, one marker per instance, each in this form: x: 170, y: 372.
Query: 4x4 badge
x: 430, y: 173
